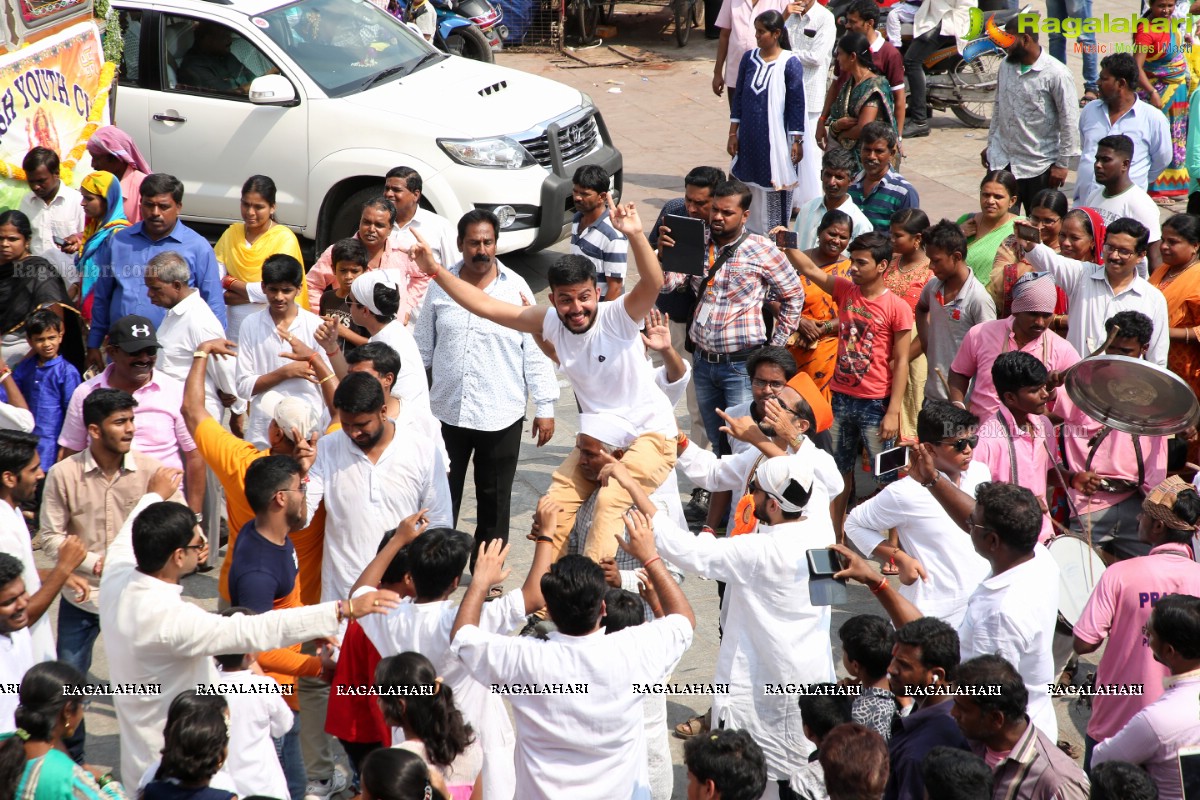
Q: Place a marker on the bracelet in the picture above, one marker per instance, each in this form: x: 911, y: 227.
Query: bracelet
x: 708, y: 529
x: 651, y: 561
x: 331, y: 353
x: 681, y: 442
x: 312, y: 359
x: 929, y: 484
x: 883, y: 584
x: 549, y: 539
x: 341, y: 614
x: 227, y: 281
x: 328, y: 377
x: 199, y: 354
x: 104, y: 780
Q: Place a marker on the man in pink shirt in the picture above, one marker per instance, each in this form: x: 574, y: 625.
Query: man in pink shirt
x: 1017, y: 441
x: 1120, y: 606
x: 1025, y: 331
x: 1130, y: 465
x: 1155, y: 735
x: 160, y: 431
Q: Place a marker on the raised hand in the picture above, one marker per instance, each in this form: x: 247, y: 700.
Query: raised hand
x: 781, y: 419
x: 422, y: 254
x: 624, y: 218
x: 221, y: 348
x: 857, y: 567
x: 165, y: 482
x: 657, y: 336
x: 744, y: 429
x: 545, y: 518
x: 612, y: 575
x: 921, y: 466
x: 378, y: 602
x: 640, y: 544
x: 489, y: 564
x: 413, y: 525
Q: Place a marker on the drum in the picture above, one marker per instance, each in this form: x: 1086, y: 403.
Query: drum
x: 1079, y: 570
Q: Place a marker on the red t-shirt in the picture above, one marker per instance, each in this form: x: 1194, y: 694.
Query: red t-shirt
x: 353, y: 716
x: 865, y: 332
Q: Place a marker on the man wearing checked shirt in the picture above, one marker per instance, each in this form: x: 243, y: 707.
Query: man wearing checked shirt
x: 727, y: 326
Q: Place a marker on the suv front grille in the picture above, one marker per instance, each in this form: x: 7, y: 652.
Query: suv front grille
x: 574, y: 141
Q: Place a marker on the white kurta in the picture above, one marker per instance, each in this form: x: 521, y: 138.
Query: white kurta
x: 256, y: 717
x: 929, y: 535
x: 363, y: 500
x: 153, y: 636
x: 425, y: 628
x: 184, y: 328
x: 772, y: 633
x: 588, y: 746
x: 14, y: 540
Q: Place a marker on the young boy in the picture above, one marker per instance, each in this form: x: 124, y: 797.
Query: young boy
x: 950, y: 305
x: 267, y: 335
x: 349, y: 258
x: 47, y: 381
x: 725, y: 765
x: 867, y: 642
x: 257, y: 716
x: 820, y: 713
x: 872, y: 364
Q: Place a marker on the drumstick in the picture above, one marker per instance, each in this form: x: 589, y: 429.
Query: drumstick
x: 942, y: 378
x: 1087, y: 522
x: 1113, y: 334
x: 1190, y: 465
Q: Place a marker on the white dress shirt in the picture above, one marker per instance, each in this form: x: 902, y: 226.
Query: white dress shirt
x: 772, y: 633
x: 1013, y: 614
x: 411, y: 385
x: 259, y: 354
x: 1093, y: 302
x: 585, y: 746
x: 362, y: 500
x: 482, y: 371
x: 929, y: 535
x: 814, y: 52
x: 153, y: 636
x: 256, y: 716
x: 16, y: 657
x: 184, y: 328
x: 425, y: 628
x: 14, y: 540
x: 63, y: 217
x: 1146, y: 125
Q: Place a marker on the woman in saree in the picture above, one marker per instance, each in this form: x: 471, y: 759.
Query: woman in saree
x: 1048, y: 209
x: 864, y: 96
x: 113, y: 150
x: 104, y: 210
x: 1178, y: 278
x: 1163, y: 83
x: 987, y: 231
x: 766, y: 124
x: 814, y: 344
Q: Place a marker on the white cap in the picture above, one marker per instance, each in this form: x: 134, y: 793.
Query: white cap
x: 290, y: 412
x: 785, y: 479
x: 363, y: 287
x: 608, y: 429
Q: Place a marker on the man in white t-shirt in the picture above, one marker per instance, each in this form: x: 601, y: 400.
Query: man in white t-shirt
x: 16, y: 645
x: 577, y: 697
x: 1117, y: 196
x: 600, y: 349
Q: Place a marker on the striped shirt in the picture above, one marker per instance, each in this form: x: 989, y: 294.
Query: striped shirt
x: 891, y: 194
x: 1035, y: 769
x: 603, y: 245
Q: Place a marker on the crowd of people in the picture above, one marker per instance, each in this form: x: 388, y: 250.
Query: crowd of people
x: 172, y: 407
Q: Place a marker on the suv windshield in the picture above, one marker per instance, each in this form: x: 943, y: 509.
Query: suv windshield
x: 344, y: 44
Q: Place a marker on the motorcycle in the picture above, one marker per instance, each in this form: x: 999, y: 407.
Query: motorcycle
x: 961, y: 83
x: 452, y: 33
x: 484, y: 14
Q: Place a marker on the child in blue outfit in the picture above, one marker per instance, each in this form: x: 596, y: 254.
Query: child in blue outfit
x: 47, y: 380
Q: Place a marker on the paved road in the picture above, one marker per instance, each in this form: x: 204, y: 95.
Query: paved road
x: 666, y: 120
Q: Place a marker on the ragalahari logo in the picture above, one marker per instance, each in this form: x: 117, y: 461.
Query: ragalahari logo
x: 985, y: 25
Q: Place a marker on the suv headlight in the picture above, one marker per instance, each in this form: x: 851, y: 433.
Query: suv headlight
x: 496, y: 152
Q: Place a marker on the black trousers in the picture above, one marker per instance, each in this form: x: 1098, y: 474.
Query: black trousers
x: 495, y: 454
x: 1028, y: 188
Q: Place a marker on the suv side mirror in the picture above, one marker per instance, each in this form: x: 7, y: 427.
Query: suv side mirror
x: 272, y: 90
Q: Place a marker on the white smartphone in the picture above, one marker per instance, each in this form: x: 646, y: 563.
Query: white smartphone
x: 890, y: 461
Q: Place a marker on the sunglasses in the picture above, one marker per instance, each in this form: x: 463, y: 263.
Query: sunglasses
x: 961, y: 445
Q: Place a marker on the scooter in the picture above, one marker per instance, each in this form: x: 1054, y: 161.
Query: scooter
x: 485, y: 15
x: 452, y: 33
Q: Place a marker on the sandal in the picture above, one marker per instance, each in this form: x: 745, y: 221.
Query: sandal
x: 890, y: 568
x: 694, y: 726
x: 1088, y: 96
x: 1070, y: 749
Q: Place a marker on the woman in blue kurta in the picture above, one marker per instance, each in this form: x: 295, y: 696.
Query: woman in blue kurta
x: 767, y: 124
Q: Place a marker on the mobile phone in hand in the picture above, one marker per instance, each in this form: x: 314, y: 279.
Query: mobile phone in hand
x: 1027, y: 232
x: 58, y: 240
x: 787, y: 240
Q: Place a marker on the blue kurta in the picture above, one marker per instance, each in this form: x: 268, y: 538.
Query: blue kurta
x: 751, y: 109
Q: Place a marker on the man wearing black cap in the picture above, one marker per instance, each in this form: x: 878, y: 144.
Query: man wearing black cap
x: 160, y: 432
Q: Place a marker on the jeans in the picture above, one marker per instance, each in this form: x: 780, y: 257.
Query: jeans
x: 718, y: 386
x: 918, y: 50
x: 77, y: 632
x: 287, y: 747
x: 856, y: 422
x: 1078, y: 9
x: 1089, y: 744
x: 495, y: 454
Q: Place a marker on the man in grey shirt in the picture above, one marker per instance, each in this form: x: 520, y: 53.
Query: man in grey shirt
x: 951, y: 303
x: 1035, y: 128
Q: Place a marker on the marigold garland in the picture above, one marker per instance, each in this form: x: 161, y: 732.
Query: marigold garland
x: 66, y: 171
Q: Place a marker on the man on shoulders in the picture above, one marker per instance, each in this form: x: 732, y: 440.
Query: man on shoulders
x: 1120, y: 110
x: 120, y: 289
x: 879, y: 191
x: 1037, y: 148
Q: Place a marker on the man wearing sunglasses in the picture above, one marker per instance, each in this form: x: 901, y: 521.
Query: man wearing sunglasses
x: 1129, y: 465
x: 938, y: 567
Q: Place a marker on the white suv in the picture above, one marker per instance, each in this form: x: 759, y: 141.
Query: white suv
x: 325, y: 96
